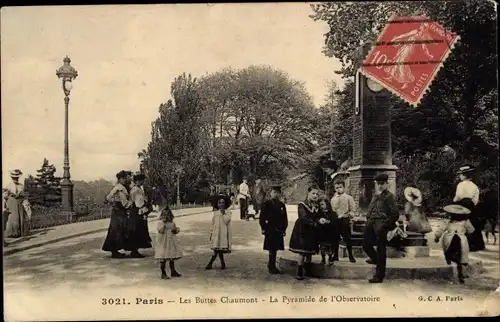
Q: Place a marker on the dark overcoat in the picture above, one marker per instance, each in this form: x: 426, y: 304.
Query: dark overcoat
x: 273, y: 221
x: 304, y: 239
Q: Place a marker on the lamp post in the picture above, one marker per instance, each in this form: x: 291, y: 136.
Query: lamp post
x: 66, y: 73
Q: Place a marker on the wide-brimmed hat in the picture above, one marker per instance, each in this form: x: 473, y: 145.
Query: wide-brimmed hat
x: 413, y: 195
x: 16, y: 173
x: 465, y: 169
x: 139, y: 176
x: 456, y: 210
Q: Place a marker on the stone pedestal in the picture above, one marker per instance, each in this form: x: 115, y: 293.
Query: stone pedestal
x: 67, y: 195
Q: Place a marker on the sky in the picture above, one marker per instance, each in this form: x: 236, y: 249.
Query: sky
x: 126, y: 57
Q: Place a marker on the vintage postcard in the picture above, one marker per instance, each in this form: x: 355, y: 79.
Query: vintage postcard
x: 266, y: 160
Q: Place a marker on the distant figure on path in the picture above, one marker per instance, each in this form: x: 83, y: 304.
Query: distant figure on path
x: 243, y: 195
x: 13, y: 194
x: 119, y: 199
x: 273, y: 223
x: 137, y: 223
x: 467, y: 195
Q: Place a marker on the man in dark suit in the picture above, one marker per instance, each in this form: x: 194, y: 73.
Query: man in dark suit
x: 273, y: 221
x: 382, y: 216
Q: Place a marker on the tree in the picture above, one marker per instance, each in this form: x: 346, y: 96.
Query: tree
x: 175, y: 140
x: 257, y: 117
x: 45, y: 188
x: 459, y: 111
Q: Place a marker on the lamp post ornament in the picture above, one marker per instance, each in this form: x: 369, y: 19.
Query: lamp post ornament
x: 66, y: 73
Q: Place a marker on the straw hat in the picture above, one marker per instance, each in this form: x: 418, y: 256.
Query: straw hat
x: 413, y: 195
x: 465, y: 169
x: 16, y: 173
x: 456, y: 210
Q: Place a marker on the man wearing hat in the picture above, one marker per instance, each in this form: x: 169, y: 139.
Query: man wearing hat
x: 467, y: 195
x: 273, y: 222
x: 137, y: 225
x: 381, y: 218
x: 13, y: 194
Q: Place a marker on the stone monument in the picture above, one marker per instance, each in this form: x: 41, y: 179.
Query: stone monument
x: 372, y: 155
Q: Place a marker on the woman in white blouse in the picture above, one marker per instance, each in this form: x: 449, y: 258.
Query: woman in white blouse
x: 467, y: 195
x: 13, y: 195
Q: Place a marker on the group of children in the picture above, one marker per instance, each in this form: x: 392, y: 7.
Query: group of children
x: 319, y: 228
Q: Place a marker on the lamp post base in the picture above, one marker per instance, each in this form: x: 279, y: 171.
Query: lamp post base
x: 67, y: 195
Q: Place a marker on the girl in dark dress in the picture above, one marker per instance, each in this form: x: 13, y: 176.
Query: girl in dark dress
x: 328, y: 234
x: 119, y: 198
x: 304, y: 240
x: 273, y: 222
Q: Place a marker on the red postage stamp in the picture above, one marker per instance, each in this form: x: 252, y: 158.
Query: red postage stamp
x: 407, y: 56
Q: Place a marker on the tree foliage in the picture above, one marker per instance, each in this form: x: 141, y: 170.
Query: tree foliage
x: 45, y: 188
x: 255, y: 122
x: 459, y: 112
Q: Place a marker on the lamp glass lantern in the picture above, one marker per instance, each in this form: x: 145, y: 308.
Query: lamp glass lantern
x: 67, y: 73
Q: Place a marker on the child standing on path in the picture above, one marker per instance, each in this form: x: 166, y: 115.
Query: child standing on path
x: 454, y: 240
x: 344, y: 206
x: 273, y: 222
x: 220, y: 236
x: 167, y: 247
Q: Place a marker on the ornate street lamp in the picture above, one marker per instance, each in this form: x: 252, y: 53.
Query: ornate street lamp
x: 66, y: 73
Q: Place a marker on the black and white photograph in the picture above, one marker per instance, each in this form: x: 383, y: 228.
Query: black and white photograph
x: 250, y: 160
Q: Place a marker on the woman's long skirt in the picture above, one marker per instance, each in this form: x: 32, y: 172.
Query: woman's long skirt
x: 137, y: 231
x: 116, y: 237
x: 16, y: 225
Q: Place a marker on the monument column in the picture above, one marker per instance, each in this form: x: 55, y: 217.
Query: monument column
x: 372, y: 152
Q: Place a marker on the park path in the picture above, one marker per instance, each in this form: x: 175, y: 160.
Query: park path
x: 77, y: 271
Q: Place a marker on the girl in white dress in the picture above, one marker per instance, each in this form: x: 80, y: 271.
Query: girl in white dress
x: 454, y: 241
x: 167, y: 247
x: 220, y: 236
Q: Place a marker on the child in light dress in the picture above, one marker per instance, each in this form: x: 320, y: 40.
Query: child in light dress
x: 454, y: 241
x: 167, y: 247
x: 220, y: 236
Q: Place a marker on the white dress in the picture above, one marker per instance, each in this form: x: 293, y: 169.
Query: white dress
x: 220, y: 237
x: 447, y: 229
x: 167, y: 244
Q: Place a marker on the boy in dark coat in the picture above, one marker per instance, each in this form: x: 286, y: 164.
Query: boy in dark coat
x: 273, y: 222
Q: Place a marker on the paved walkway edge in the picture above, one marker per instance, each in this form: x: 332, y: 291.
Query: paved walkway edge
x: 10, y: 251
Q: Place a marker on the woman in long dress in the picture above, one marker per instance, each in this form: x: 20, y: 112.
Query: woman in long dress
x: 467, y: 195
x: 137, y: 223
x: 13, y: 195
x: 119, y: 198
x: 220, y: 236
